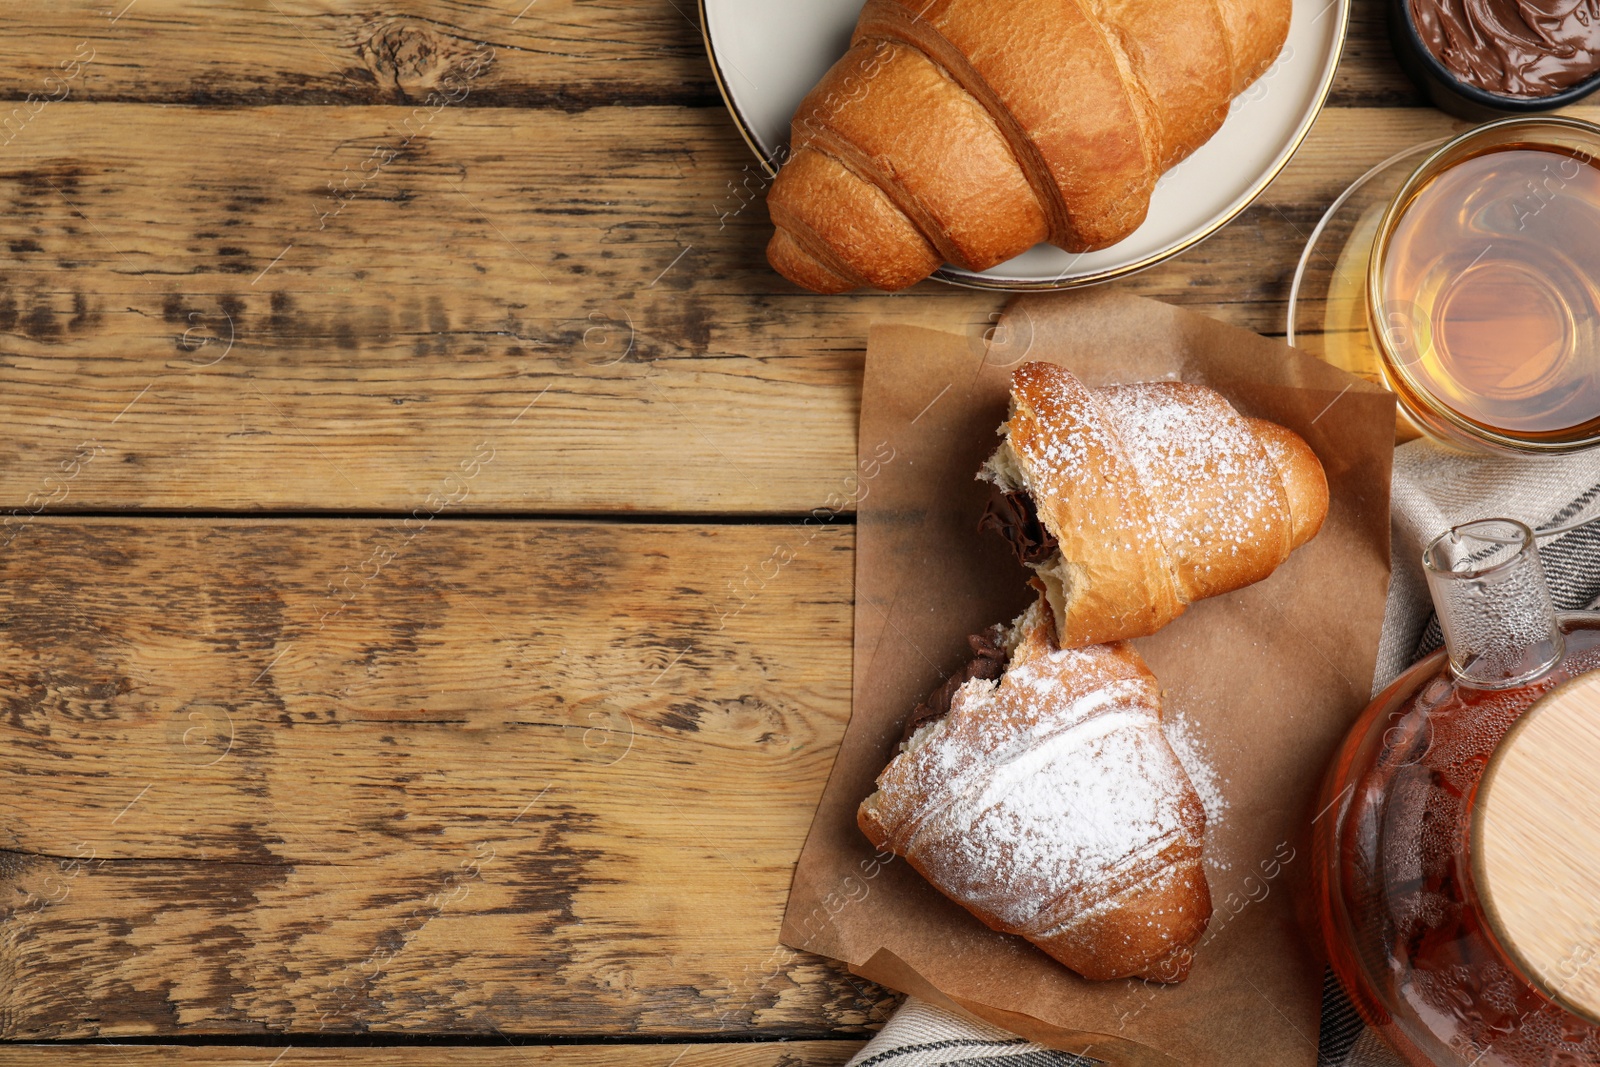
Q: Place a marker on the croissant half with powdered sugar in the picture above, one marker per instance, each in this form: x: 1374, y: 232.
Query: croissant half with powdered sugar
x: 1132, y: 501
x: 1049, y: 803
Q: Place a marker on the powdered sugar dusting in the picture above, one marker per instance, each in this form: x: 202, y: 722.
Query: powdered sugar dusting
x: 1221, y: 495
x: 1069, y: 452
x: 1121, y: 470
x: 1190, y: 746
x: 1033, y: 818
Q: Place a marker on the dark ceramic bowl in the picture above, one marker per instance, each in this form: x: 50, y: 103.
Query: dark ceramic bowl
x: 1448, y: 93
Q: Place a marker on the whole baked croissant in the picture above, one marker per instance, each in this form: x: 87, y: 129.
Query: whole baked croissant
x: 1150, y: 496
x: 1050, y: 804
x: 968, y: 131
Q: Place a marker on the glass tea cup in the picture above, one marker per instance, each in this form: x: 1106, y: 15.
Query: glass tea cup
x: 1483, y: 289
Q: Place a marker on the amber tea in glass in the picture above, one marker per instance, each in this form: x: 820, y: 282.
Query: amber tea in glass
x: 1484, y: 288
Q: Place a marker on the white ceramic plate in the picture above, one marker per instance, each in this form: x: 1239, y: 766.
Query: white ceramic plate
x: 767, y: 54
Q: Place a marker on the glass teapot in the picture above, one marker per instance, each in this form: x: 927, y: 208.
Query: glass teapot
x: 1457, y: 845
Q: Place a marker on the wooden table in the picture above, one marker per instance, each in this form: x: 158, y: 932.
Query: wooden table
x: 390, y: 653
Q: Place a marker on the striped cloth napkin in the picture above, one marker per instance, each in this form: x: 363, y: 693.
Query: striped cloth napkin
x: 1433, y: 489
x: 921, y: 1035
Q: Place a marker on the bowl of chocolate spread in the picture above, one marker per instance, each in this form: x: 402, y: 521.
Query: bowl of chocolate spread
x: 1484, y: 58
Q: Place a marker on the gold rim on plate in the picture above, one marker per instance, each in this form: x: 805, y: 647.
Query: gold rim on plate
x: 972, y: 280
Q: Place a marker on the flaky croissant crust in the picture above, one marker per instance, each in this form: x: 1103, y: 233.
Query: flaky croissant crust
x: 968, y: 131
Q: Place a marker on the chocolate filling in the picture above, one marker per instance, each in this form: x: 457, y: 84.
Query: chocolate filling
x: 988, y: 662
x: 1013, y: 516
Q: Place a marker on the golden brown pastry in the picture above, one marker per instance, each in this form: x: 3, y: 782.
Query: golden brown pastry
x: 1050, y: 805
x: 968, y: 131
x: 1131, y: 501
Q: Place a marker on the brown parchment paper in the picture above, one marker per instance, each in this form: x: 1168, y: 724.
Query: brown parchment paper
x: 1268, y: 678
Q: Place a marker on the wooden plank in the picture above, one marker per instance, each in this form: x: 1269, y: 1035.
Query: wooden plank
x: 324, y: 776
x: 561, y: 53
x: 236, y: 337
x: 174, y: 305
x: 757, y: 1054
x: 1368, y: 74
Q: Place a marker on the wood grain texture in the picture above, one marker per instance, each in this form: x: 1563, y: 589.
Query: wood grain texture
x: 552, y: 53
x: 558, y: 53
x: 764, y: 1054
x: 180, y: 289
x: 332, y: 776
x: 501, y: 257
x: 1535, y: 850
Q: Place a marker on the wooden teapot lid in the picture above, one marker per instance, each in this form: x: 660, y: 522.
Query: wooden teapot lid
x: 1536, y: 843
